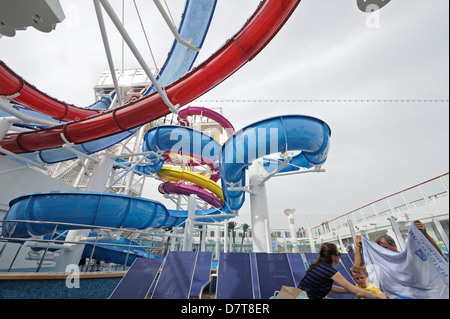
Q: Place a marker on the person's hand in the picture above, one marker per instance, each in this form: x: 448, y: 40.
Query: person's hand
x: 382, y: 296
x: 420, y: 225
x: 358, y: 240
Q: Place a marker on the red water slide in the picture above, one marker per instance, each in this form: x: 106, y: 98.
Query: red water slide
x: 259, y: 30
x: 29, y: 96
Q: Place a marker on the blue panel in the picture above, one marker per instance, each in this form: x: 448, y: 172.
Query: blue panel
x: 352, y: 257
x: 311, y: 257
x: 234, y: 279
x: 137, y: 281
x: 297, y: 266
x: 202, y: 273
x: 176, y: 276
x: 274, y: 271
x: 347, y: 261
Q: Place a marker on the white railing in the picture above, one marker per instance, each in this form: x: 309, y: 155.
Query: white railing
x: 418, y: 195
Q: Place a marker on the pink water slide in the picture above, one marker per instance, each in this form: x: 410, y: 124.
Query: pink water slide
x: 183, y: 189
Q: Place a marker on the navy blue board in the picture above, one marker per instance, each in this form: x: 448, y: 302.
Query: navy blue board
x: 234, y: 277
x: 311, y: 257
x: 202, y: 273
x: 297, y: 266
x: 274, y: 271
x: 352, y: 257
x: 137, y: 281
x: 347, y: 261
x: 176, y: 276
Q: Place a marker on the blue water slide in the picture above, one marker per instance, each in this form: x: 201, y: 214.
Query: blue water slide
x: 181, y: 140
x: 194, y: 26
x: 88, y: 208
x: 199, y: 15
x: 280, y: 134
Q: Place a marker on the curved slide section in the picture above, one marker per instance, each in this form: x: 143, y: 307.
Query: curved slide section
x: 34, y: 99
x: 176, y: 174
x: 180, y: 140
x: 183, y: 189
x: 89, y: 208
x: 269, y: 18
x: 213, y: 115
x: 279, y: 134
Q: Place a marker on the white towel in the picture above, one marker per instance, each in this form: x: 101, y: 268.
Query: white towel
x: 419, y: 272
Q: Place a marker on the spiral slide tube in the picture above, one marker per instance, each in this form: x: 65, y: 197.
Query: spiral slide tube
x: 194, y: 26
x: 255, y: 35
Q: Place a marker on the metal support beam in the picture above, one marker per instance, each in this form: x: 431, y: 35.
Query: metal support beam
x: 115, y: 19
x: 173, y: 29
x: 101, y: 23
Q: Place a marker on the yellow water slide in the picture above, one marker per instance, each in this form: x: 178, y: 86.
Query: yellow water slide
x: 175, y: 174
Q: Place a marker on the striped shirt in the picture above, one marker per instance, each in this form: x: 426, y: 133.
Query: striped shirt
x: 318, y: 282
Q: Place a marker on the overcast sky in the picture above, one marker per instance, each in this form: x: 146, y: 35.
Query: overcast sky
x: 326, y: 51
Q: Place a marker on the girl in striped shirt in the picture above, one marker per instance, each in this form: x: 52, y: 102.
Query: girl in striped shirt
x: 321, y: 275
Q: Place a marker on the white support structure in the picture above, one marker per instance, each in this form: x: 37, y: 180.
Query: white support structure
x: 189, y: 225
x: 259, y: 209
x: 172, y: 27
x: 441, y: 232
x: 137, y: 54
x: 310, y: 236
x: 289, y: 212
x: 225, y: 236
x: 100, y: 174
x: 101, y: 23
x: 72, y: 255
x: 6, y: 106
x: 398, y: 234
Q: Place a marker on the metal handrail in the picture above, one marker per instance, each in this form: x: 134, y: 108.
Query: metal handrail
x: 84, y: 241
x: 392, y: 195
